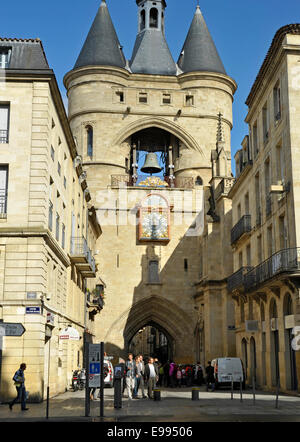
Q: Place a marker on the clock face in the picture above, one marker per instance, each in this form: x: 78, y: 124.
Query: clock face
x: 154, y: 226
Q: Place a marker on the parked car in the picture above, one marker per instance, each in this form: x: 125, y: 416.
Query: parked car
x: 108, y: 372
x: 227, y: 370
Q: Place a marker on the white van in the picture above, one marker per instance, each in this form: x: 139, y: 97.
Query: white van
x: 227, y: 370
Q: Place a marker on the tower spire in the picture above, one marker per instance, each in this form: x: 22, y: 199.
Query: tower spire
x: 102, y: 46
x: 199, y: 52
x: 151, y: 54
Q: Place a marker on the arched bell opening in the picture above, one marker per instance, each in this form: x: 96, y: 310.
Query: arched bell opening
x: 153, y: 152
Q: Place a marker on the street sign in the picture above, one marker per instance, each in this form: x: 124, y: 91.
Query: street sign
x: 11, y: 329
x: 94, y: 365
x: 33, y: 310
x: 69, y: 334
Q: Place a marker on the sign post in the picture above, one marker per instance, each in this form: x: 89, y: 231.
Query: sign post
x: 102, y: 379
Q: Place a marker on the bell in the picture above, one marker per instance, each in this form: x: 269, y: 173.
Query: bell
x: 151, y: 164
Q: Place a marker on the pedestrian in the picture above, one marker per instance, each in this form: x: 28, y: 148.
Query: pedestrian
x: 199, y: 374
x: 166, y: 374
x: 183, y: 377
x: 151, y: 376
x: 179, y: 376
x: 136, y: 378
x: 130, y: 375
x: 141, y: 369
x: 189, y: 376
x: 161, y: 376
x: 19, y: 381
x: 210, y: 377
x: 172, y: 374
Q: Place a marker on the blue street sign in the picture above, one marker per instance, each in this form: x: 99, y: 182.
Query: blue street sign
x: 33, y: 310
x: 94, y: 368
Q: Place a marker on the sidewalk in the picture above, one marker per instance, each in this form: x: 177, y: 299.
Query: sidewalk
x: 176, y: 406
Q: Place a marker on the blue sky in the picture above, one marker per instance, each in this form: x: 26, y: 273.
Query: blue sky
x: 242, y: 30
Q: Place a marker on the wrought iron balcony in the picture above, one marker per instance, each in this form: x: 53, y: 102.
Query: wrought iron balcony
x: 4, y: 136
x: 286, y: 260
x: 3, y: 203
x: 236, y: 280
x: 241, y: 228
x: 81, y: 256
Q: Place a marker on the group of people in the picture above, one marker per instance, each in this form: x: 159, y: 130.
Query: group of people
x: 181, y: 375
x: 139, y: 375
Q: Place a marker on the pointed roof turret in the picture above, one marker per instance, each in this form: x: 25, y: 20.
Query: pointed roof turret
x: 199, y: 52
x: 151, y: 54
x: 102, y: 46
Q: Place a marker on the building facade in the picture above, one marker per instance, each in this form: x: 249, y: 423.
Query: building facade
x: 48, y: 228
x: 264, y: 237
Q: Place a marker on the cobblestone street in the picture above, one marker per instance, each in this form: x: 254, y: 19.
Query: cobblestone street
x: 176, y: 405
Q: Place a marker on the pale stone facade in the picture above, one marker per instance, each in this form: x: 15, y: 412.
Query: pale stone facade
x: 264, y: 211
x: 38, y: 270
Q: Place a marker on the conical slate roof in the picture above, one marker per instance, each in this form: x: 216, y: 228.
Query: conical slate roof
x: 101, y: 47
x: 151, y: 54
x: 199, y: 52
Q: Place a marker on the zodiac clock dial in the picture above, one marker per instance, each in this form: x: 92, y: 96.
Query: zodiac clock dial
x: 154, y: 226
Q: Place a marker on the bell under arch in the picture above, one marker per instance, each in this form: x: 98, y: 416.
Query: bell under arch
x: 159, y: 123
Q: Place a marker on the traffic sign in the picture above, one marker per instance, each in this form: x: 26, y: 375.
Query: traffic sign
x: 11, y: 329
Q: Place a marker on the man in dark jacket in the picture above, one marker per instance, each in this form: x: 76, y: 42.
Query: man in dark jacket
x: 210, y: 376
x: 151, y: 376
x: 19, y: 381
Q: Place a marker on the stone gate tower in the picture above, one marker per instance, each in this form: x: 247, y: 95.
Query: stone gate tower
x: 120, y: 111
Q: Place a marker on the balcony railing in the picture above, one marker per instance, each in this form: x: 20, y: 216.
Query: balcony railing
x: 236, y: 280
x: 3, y: 136
x: 242, y: 227
x: 183, y: 182
x: 3, y: 203
x: 286, y: 260
x: 82, y: 257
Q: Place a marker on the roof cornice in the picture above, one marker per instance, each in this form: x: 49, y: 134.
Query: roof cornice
x: 276, y: 43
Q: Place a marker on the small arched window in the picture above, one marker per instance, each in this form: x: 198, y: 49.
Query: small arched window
x: 199, y: 181
x: 89, y: 133
x: 143, y: 20
x: 153, y: 18
x: 287, y: 305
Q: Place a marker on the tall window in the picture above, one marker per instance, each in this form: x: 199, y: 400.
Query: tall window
x: 3, y: 190
x: 265, y: 123
x: 277, y: 102
x: 4, y: 114
x: 57, y: 227
x: 50, y: 217
x: 90, y: 141
x: 153, y: 18
x: 153, y: 272
x: 4, y: 57
x: 63, y: 236
x: 255, y: 139
x: 279, y: 163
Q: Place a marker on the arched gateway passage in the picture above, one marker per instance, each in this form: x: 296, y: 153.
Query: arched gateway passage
x: 162, y: 314
x: 152, y: 340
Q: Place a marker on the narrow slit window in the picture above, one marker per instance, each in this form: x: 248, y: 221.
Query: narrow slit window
x: 90, y: 141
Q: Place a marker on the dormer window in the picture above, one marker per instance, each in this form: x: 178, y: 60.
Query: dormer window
x: 4, y: 57
x: 153, y: 18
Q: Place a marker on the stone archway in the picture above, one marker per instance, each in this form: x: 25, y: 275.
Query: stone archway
x: 165, y: 314
x: 160, y: 123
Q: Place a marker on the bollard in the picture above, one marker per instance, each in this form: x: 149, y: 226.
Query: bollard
x: 253, y: 389
x: 156, y: 393
x: 241, y: 390
x: 277, y: 393
x: 195, y: 394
